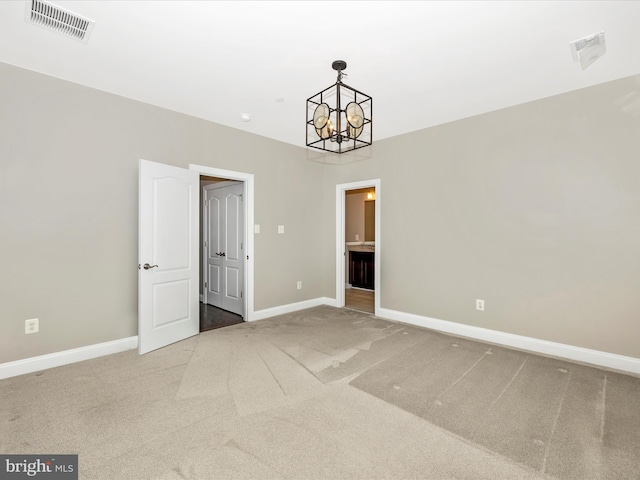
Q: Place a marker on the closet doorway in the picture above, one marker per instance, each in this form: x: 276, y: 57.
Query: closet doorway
x: 222, y: 252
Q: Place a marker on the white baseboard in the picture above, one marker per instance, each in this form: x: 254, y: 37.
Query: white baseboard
x: 293, y: 307
x: 561, y: 350
x: 569, y: 352
x: 43, y: 362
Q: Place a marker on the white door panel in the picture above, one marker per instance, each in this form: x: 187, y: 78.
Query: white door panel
x: 215, y: 245
x: 232, y: 281
x: 168, y: 243
x: 213, y: 285
x: 170, y: 302
x: 233, y: 254
x: 171, y: 217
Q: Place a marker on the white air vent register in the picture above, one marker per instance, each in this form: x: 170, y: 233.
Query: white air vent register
x: 588, y: 49
x: 57, y: 19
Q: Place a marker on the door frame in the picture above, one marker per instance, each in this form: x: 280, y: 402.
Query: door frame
x: 248, y: 181
x: 204, y: 261
x: 341, y: 190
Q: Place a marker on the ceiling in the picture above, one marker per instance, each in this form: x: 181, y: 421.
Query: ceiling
x: 424, y: 63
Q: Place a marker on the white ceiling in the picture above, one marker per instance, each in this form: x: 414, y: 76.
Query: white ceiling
x: 424, y: 63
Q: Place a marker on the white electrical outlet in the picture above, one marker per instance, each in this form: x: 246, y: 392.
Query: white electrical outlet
x: 32, y: 325
x: 299, y: 285
x: 280, y: 228
x: 256, y: 228
x: 357, y: 237
x: 479, y: 304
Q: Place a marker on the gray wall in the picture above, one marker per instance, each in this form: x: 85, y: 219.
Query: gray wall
x: 354, y: 216
x: 69, y: 200
x: 535, y: 209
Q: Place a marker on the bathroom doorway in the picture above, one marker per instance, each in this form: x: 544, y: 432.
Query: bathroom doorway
x: 360, y: 249
x: 358, y: 246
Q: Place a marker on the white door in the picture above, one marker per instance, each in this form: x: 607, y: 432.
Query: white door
x: 224, y: 249
x: 168, y: 308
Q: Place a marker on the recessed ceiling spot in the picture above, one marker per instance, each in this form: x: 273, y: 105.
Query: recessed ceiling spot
x: 59, y: 20
x: 588, y: 49
x: 245, y: 117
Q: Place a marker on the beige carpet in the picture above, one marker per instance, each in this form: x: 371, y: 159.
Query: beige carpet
x: 329, y: 394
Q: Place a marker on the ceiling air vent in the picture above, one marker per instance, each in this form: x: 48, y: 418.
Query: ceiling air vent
x: 588, y: 49
x: 52, y: 17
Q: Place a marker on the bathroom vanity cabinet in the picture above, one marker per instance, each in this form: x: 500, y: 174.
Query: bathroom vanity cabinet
x: 361, y: 269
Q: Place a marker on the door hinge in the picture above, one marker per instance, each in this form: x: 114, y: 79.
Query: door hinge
x: 205, y: 243
x: 205, y: 284
x: 241, y: 247
x: 240, y: 293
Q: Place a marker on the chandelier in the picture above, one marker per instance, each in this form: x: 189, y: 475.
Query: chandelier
x: 339, y: 117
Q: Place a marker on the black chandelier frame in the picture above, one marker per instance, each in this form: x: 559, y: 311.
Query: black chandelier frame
x: 335, y: 133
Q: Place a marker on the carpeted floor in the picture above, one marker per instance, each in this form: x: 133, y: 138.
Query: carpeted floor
x: 328, y: 393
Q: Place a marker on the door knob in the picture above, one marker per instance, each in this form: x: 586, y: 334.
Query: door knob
x: 146, y: 266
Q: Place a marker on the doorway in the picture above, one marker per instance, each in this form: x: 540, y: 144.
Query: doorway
x: 358, y: 246
x: 221, y: 252
x: 360, y: 249
x: 211, y: 316
x: 168, y: 251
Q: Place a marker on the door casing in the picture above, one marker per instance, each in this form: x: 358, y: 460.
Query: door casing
x: 222, y: 299
x: 341, y: 190
x: 248, y: 181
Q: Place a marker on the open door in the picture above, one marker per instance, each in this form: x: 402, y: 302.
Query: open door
x: 168, y: 288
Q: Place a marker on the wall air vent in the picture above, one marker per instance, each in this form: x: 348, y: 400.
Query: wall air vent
x: 52, y: 17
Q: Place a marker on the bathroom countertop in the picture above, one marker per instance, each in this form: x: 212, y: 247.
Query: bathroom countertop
x: 361, y: 247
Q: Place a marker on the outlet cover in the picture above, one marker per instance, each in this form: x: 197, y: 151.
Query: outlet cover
x: 31, y: 326
x: 280, y: 228
x: 299, y: 285
x: 480, y: 304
